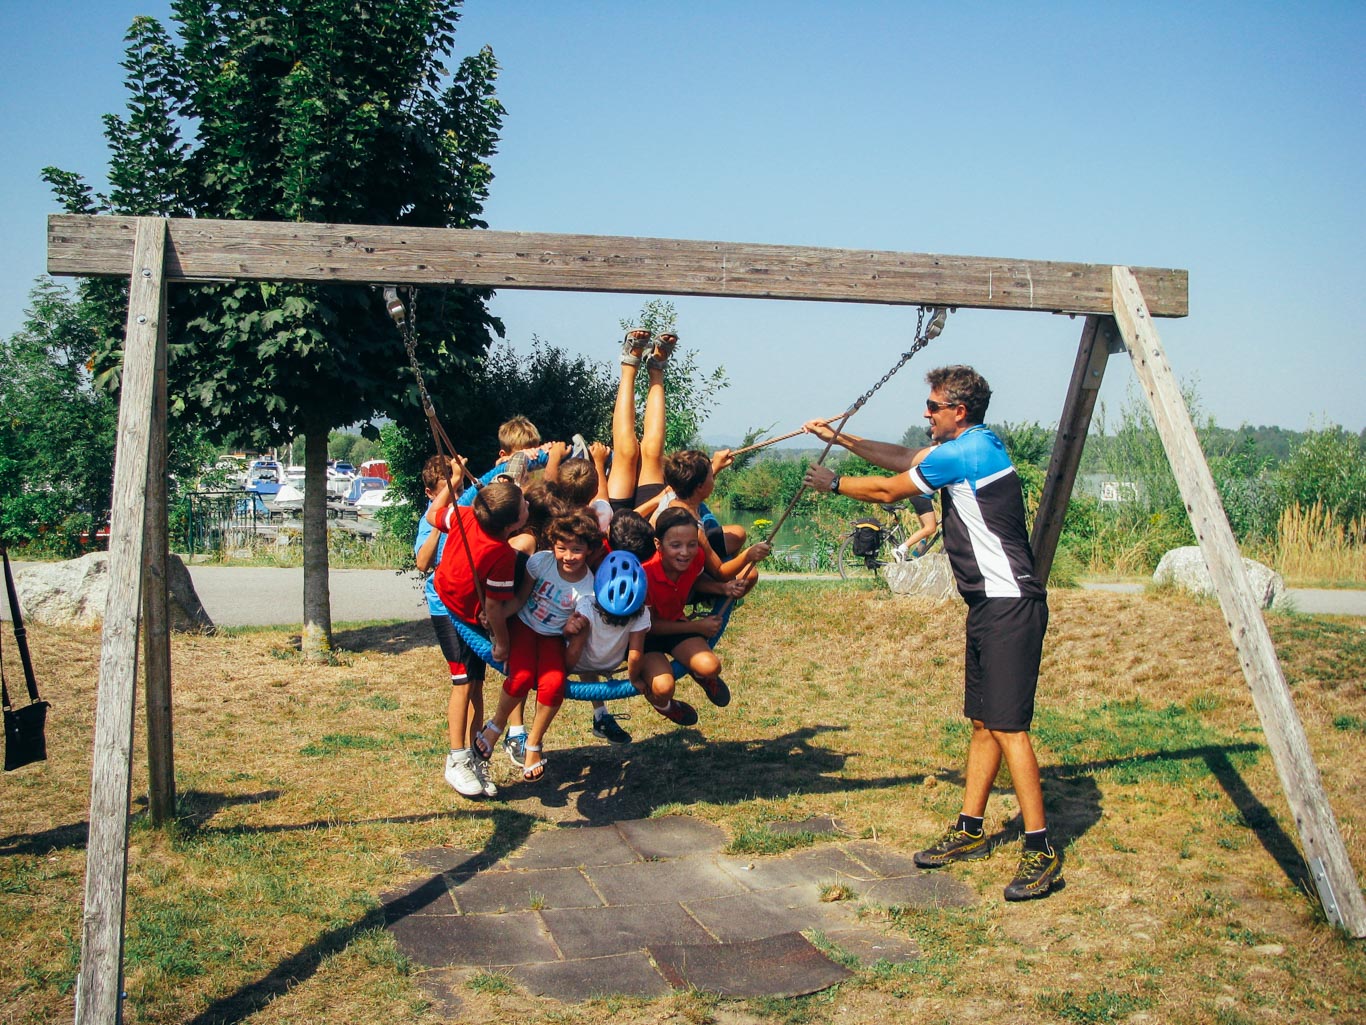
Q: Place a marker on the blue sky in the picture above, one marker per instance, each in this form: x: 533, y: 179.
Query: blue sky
x: 1227, y: 139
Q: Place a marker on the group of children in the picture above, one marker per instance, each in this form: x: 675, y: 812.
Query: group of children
x: 576, y: 573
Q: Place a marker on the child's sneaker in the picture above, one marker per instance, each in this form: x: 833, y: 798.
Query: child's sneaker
x: 1037, y: 875
x: 954, y: 845
x: 461, y: 775
x: 716, y: 690
x: 679, y: 712
x: 486, y: 784
x: 605, y: 728
x: 515, y: 746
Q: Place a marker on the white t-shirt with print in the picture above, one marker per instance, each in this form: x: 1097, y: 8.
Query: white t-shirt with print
x: 606, y: 645
x: 552, y: 597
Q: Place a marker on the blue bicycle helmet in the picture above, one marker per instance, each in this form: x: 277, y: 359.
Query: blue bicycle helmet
x: 620, y: 584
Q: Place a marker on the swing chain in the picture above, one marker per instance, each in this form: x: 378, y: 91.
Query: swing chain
x: 406, y: 319
x: 923, y: 336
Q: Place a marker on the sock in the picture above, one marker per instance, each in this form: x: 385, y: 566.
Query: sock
x: 598, y: 713
x: 968, y: 824
x: 462, y: 754
x: 516, y: 731
x: 1037, y: 841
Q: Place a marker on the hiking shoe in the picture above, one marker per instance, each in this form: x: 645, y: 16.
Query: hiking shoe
x: 461, y: 775
x: 579, y: 448
x: 955, y: 845
x: 486, y: 784
x: 716, y: 690
x: 515, y: 746
x: 605, y: 728
x: 1038, y: 873
x: 678, y: 711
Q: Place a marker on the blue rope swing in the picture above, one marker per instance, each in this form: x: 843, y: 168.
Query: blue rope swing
x: 582, y: 690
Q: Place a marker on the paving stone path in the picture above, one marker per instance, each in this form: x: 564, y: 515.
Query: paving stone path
x: 646, y: 906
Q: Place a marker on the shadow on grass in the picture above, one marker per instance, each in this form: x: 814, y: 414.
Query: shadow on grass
x: 510, y: 830
x: 386, y: 638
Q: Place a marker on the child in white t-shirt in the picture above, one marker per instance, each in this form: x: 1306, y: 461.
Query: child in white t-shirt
x: 611, y: 624
x: 555, y: 581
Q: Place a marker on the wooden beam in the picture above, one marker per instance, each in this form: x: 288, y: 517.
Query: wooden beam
x: 1087, y: 373
x: 156, y: 616
x: 1324, y: 851
x: 203, y: 250
x: 100, y: 981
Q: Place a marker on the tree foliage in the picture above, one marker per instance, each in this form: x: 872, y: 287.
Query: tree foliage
x: 300, y: 110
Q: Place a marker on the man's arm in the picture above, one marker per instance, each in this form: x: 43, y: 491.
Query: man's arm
x: 864, y: 489
x: 896, y: 458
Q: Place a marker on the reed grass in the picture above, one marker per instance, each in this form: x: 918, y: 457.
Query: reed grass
x: 1315, y: 548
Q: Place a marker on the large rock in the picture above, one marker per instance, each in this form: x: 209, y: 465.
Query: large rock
x: 1185, y: 568
x: 928, y: 577
x: 75, y: 593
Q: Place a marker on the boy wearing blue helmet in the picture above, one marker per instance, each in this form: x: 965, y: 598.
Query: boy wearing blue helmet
x: 610, y: 625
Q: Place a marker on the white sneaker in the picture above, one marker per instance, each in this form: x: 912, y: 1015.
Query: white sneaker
x: 461, y: 775
x: 481, y: 769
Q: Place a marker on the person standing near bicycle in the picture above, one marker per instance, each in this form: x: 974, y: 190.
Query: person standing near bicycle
x: 987, y: 544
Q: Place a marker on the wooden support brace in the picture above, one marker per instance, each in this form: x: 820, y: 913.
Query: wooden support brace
x: 1087, y: 373
x: 155, y: 613
x: 100, y: 982
x: 1324, y: 852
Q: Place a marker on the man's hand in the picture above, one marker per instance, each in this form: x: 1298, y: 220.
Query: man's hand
x: 820, y: 428
x: 818, y: 478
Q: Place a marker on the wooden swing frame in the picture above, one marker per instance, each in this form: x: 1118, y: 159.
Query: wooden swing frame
x: 1118, y: 302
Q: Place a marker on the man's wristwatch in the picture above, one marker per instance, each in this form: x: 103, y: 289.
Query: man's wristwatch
x: 835, y: 484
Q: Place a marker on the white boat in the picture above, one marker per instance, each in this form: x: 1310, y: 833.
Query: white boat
x: 372, y: 501
x: 290, y: 498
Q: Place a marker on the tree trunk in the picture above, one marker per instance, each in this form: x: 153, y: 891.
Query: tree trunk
x: 317, y: 634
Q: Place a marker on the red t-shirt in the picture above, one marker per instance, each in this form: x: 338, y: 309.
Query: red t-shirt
x: 666, y: 597
x: 494, y: 559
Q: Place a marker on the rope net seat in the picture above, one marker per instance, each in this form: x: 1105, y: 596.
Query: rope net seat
x: 586, y: 690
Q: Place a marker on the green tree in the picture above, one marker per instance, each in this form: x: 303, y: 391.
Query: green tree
x: 1327, y: 466
x: 302, y: 111
x: 691, y: 390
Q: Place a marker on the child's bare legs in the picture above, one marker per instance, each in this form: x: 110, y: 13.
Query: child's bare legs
x: 621, y: 479
x: 464, y: 712
x: 735, y: 539
x: 545, y: 715
x: 659, y: 678
x: 653, y: 430
x: 705, y: 668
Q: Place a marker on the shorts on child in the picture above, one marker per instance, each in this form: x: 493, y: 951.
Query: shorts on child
x: 644, y: 493
x: 664, y: 644
x: 466, y: 665
x: 1001, y: 663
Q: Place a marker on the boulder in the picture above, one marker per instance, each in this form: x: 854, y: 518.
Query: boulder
x: 927, y: 577
x: 1185, y: 568
x: 74, y: 593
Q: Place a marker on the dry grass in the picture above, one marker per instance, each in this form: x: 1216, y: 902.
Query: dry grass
x: 1314, y: 548
x: 302, y: 787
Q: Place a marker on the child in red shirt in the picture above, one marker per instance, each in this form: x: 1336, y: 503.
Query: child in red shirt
x: 672, y: 573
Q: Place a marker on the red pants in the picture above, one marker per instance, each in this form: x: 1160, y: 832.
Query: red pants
x: 535, y: 660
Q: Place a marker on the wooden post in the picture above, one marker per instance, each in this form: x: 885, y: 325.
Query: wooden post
x: 1324, y: 851
x: 100, y: 983
x: 1087, y: 373
x: 156, y: 619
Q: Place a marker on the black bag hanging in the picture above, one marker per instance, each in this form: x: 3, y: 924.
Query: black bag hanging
x: 24, y: 739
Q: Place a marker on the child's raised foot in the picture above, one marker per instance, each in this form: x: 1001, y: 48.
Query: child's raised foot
x: 664, y: 348
x: 633, y: 347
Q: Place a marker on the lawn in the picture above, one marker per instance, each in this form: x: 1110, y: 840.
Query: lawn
x: 302, y: 787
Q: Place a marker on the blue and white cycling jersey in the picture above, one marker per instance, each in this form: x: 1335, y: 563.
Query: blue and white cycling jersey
x: 984, y: 518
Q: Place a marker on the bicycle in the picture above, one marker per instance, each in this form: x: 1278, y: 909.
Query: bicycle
x: 870, y: 543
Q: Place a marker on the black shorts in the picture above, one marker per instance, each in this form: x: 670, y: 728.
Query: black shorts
x: 665, y: 643
x: 1001, y: 663
x: 644, y: 492
x: 466, y: 666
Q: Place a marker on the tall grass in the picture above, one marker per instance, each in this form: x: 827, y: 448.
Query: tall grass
x: 1314, y: 546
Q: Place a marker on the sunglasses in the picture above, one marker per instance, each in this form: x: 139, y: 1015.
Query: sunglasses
x: 935, y: 407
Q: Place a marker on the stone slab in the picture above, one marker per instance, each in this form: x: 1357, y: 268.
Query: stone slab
x: 583, y: 979
x: 655, y: 882
x: 671, y: 836
x: 568, y: 848
x: 883, y: 860
x: 825, y: 863
x: 523, y: 891
x: 754, y: 916
x: 438, y: 941
x: 597, y: 932
x: 922, y: 890
x: 427, y: 896
x: 870, y: 946
x: 818, y: 824
x: 786, y: 965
